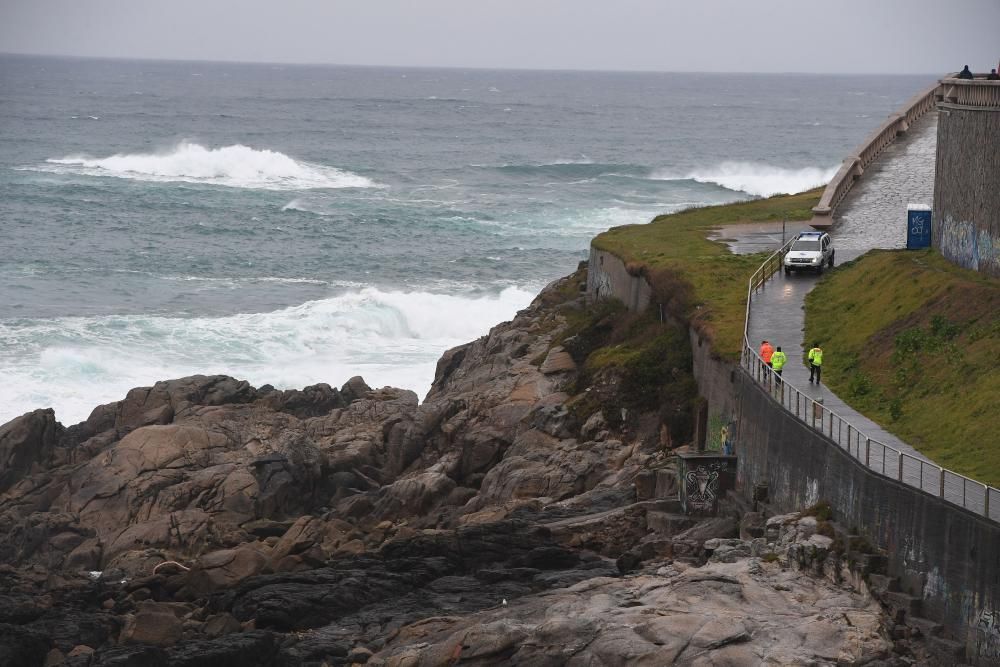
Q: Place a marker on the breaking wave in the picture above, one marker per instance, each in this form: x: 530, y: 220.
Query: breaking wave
x: 390, y: 338
x: 236, y: 166
x: 753, y: 178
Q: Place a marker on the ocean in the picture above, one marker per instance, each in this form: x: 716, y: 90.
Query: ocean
x: 290, y: 225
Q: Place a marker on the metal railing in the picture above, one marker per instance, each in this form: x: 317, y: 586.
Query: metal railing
x: 869, y: 150
x: 872, y: 454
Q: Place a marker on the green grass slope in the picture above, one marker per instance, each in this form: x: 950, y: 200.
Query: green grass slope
x: 699, y: 280
x: 913, y: 342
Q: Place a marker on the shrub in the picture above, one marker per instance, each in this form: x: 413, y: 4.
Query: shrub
x: 821, y: 510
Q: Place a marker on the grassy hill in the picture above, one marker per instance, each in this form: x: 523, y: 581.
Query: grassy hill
x: 699, y: 280
x: 913, y: 342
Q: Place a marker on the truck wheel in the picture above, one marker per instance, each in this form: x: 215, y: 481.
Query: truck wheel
x: 788, y: 271
x: 831, y: 261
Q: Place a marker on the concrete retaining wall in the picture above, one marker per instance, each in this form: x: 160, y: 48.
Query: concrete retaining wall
x: 966, y: 222
x: 608, y: 277
x: 944, y: 554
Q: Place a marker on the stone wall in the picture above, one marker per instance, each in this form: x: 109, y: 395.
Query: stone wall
x: 945, y: 555
x: 966, y: 222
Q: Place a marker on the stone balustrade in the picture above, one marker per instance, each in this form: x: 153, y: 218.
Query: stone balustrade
x: 855, y: 164
x: 978, y: 93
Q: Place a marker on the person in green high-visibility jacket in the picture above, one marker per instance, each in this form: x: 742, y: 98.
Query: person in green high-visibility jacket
x: 815, y: 362
x: 778, y: 360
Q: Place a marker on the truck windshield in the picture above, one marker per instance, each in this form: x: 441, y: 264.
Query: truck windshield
x: 805, y: 244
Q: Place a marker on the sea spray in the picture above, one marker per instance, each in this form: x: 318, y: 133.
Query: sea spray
x: 76, y: 363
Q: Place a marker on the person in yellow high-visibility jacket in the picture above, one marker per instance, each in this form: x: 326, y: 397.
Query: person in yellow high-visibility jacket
x: 778, y: 360
x: 815, y: 362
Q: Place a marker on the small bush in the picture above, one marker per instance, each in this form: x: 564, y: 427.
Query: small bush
x: 821, y: 510
x: 942, y: 328
x: 860, y: 385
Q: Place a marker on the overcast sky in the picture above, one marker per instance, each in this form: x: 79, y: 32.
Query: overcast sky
x: 907, y: 36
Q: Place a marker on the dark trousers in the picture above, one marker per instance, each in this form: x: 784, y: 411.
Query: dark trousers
x: 816, y: 371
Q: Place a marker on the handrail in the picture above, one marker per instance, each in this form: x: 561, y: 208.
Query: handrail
x: 877, y: 456
x: 855, y: 164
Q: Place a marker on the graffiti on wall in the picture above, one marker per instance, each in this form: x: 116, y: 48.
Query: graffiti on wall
x: 965, y: 244
x: 702, y: 486
x: 988, y: 634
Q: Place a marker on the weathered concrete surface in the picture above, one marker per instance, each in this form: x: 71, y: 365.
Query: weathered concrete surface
x: 949, y: 557
x: 966, y: 222
x: 607, y: 276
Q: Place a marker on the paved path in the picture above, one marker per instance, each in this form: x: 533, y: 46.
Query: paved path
x: 873, y: 215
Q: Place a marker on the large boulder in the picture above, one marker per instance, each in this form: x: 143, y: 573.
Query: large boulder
x: 154, y: 624
x: 26, y: 442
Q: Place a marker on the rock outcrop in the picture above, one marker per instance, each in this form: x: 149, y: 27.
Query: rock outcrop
x: 205, y: 521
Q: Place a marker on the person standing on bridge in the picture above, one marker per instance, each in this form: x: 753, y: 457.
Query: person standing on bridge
x: 815, y: 358
x: 778, y: 360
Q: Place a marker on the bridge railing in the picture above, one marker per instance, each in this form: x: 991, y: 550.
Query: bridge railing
x: 855, y: 164
x: 867, y: 451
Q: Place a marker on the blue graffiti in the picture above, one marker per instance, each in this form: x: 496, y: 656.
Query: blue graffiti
x: 964, y: 244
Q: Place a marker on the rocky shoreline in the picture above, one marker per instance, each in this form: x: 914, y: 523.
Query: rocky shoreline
x: 507, y: 519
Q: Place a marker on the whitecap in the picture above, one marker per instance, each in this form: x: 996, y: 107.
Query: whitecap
x: 235, y: 166
x: 389, y: 337
x: 757, y: 179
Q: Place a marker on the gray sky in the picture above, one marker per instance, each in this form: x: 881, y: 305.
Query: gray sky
x: 905, y: 36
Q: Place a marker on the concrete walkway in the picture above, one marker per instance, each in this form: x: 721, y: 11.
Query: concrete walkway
x: 873, y: 215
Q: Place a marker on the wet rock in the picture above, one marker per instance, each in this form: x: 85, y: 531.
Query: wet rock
x: 224, y: 569
x: 219, y: 625
x: 246, y: 649
x: 713, y: 617
x: 153, y: 624
x: 25, y: 442
x: 22, y: 646
x: 558, y: 360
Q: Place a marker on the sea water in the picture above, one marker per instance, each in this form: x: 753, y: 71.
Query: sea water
x: 301, y: 224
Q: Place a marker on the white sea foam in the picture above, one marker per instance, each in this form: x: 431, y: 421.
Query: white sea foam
x: 754, y: 178
x: 390, y: 338
x: 235, y: 166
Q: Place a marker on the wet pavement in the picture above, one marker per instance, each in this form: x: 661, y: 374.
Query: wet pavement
x: 873, y: 215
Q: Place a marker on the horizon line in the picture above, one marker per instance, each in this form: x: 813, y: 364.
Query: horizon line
x: 449, y: 67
